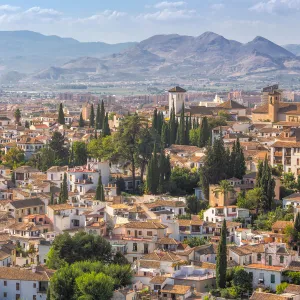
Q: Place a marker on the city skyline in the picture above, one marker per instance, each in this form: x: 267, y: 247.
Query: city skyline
x: 120, y: 21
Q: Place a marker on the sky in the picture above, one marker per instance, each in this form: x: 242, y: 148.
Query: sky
x: 115, y: 21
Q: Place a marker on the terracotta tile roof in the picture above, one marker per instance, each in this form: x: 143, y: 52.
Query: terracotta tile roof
x: 264, y: 267
x: 149, y: 264
x: 158, y: 280
x: 11, y: 273
x: 57, y: 207
x: 294, y: 266
x: 293, y: 288
x: 294, y: 197
x: 176, y: 289
x: 167, y: 241
x: 161, y: 256
x: 169, y: 203
x: 206, y: 249
x: 230, y: 104
x: 145, y: 225
x: 282, y: 224
x: 267, y: 296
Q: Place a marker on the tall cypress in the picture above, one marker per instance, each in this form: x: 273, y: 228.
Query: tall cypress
x: 92, y: 116
x: 164, y: 135
x: 187, y: 131
x: 181, y: 129
x: 160, y: 122
x: 61, y: 115
x: 102, y: 114
x: 105, y: 129
x: 51, y: 202
x: 81, y: 121
x: 204, y: 133
x: 98, y: 117
x: 100, y: 190
x: 172, y: 126
x: 221, y: 264
x: 155, y: 120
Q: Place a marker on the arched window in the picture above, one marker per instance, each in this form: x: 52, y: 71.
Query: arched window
x: 281, y: 259
x: 270, y: 260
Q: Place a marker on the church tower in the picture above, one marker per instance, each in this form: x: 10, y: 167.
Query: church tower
x: 273, y: 103
x: 176, y: 96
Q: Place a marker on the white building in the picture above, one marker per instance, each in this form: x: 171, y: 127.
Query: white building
x: 176, y: 97
x: 229, y: 213
x: 18, y: 283
x: 217, y: 100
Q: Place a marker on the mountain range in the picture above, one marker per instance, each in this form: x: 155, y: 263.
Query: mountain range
x: 39, y: 57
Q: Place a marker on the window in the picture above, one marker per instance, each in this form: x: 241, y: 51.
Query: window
x: 17, y: 286
x: 34, y: 285
x: 128, y: 232
x: 18, y: 297
x: 140, y: 233
x: 281, y: 259
x: 149, y: 233
x: 258, y: 257
x: 272, y: 278
x: 134, y: 247
x: 5, y: 283
x: 234, y: 210
x: 34, y: 297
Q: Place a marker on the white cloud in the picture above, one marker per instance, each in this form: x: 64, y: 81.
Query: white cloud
x: 277, y: 6
x: 167, y: 4
x: 217, y: 6
x: 9, y: 8
x: 42, y: 11
x: 169, y: 15
x: 102, y: 16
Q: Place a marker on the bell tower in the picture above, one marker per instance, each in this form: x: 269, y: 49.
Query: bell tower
x: 176, y: 96
x: 273, y: 106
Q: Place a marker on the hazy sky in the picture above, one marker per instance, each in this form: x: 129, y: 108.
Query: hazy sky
x: 134, y: 20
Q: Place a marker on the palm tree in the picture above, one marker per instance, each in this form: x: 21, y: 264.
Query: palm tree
x: 224, y: 188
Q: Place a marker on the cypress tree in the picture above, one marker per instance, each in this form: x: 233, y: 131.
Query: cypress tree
x: 155, y: 120
x: 71, y: 157
x: 204, y: 133
x: 181, y: 129
x: 149, y: 177
x: 231, y: 165
x: 61, y: 115
x: 102, y: 194
x: 164, y: 135
x: 105, y: 129
x: 172, y: 126
x: 102, y: 114
x: 99, y: 189
x: 81, y: 121
x: 92, y: 116
x: 167, y: 169
x: 98, y: 117
x: 52, y: 199
x: 297, y: 227
x: 160, y: 122
x: 239, y: 161
x: 221, y: 264
x: 259, y: 174
x: 187, y: 132
x: 65, y: 188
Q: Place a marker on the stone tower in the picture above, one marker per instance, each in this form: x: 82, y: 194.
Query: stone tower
x: 176, y: 96
x: 273, y: 103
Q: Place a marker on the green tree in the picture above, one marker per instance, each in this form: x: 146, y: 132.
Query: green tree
x: 153, y: 174
x: 95, y: 286
x: 103, y: 148
x: 17, y: 116
x: 64, y: 195
x: 57, y: 144
x: 82, y: 246
x: 100, y: 190
x: 127, y: 142
x: 172, y: 126
x: 61, y: 115
x: 165, y: 136
x: 195, y: 242
x: 204, y: 133
x: 81, y: 121
x: 181, y: 128
x: 194, y: 136
x: 155, y: 119
x: 280, y: 288
x: 289, y: 180
x: 105, y: 129
x: 102, y: 115
x: 92, y: 116
x: 242, y: 281
x: 183, y: 181
x: 98, y: 118
x: 14, y: 157
x: 80, y: 153
x: 221, y: 264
